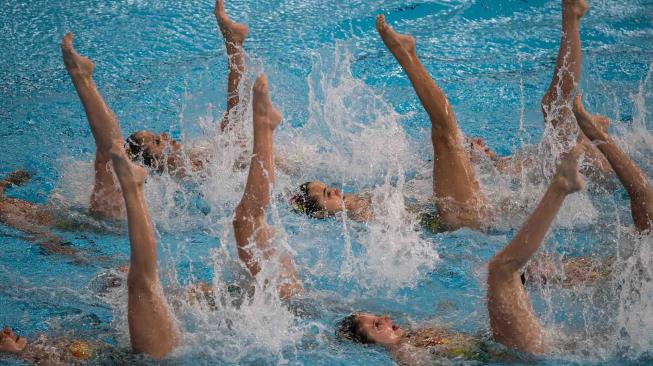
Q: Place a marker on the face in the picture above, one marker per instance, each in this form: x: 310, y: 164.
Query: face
x: 330, y: 199
x: 10, y: 342
x: 157, y: 145
x: 379, y: 329
x: 478, y: 144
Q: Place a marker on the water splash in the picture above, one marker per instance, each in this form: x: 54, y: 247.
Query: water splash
x: 351, y: 133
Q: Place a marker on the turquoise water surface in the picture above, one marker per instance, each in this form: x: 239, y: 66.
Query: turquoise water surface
x: 352, y: 120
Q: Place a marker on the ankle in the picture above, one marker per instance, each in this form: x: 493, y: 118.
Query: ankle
x: 561, y: 185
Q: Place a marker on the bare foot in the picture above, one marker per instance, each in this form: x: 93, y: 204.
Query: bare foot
x: 76, y: 64
x: 567, y: 176
x: 231, y: 31
x: 594, y: 127
x: 398, y: 44
x: 577, y: 8
x: 130, y: 175
x: 264, y: 112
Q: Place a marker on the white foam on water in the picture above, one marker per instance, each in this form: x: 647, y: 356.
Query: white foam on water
x: 395, y: 254
x: 634, y: 289
x: 352, y: 133
x: 351, y: 139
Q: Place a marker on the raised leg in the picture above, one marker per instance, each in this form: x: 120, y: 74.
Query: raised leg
x: 558, y: 97
x: 556, y: 102
x: 234, y: 35
x: 633, y: 179
x: 152, y: 330
x: 456, y: 189
x: 249, y: 217
x: 511, y: 314
x: 106, y: 199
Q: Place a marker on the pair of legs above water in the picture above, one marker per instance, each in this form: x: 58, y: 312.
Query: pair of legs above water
x: 152, y: 329
x: 158, y: 151
x: 234, y: 35
x: 640, y: 192
x: 456, y: 189
x: 106, y: 199
x: 513, y: 322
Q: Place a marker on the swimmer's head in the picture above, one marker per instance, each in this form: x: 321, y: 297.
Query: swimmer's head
x: 477, y: 144
x: 10, y: 342
x: 368, y: 328
x: 150, y: 148
x: 315, y: 199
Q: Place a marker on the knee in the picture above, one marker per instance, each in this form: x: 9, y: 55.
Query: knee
x: 444, y: 136
x: 500, y: 268
x: 545, y: 104
x: 141, y: 283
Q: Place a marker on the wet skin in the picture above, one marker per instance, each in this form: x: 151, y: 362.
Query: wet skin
x: 331, y: 201
x: 379, y: 329
x: 10, y: 342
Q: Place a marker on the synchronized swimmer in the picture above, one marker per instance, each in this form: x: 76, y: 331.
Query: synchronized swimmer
x: 120, y: 172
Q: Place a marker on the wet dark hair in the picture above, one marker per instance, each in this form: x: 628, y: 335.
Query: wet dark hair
x: 348, y: 329
x: 304, y: 203
x: 16, y: 178
x: 137, y: 150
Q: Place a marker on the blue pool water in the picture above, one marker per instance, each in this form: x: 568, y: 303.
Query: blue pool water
x: 351, y: 119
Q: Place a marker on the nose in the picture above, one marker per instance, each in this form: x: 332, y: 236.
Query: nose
x: 336, y: 191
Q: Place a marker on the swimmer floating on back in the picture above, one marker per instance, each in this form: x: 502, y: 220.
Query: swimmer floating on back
x: 156, y: 151
x: 151, y: 328
x: 30, y: 218
x: 459, y: 199
x: 511, y: 317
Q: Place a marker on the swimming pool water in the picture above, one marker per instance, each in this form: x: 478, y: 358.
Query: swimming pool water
x: 352, y: 119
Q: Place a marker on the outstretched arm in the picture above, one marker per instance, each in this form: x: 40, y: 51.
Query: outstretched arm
x: 249, y: 218
x: 152, y: 329
x: 633, y: 179
x: 511, y: 315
